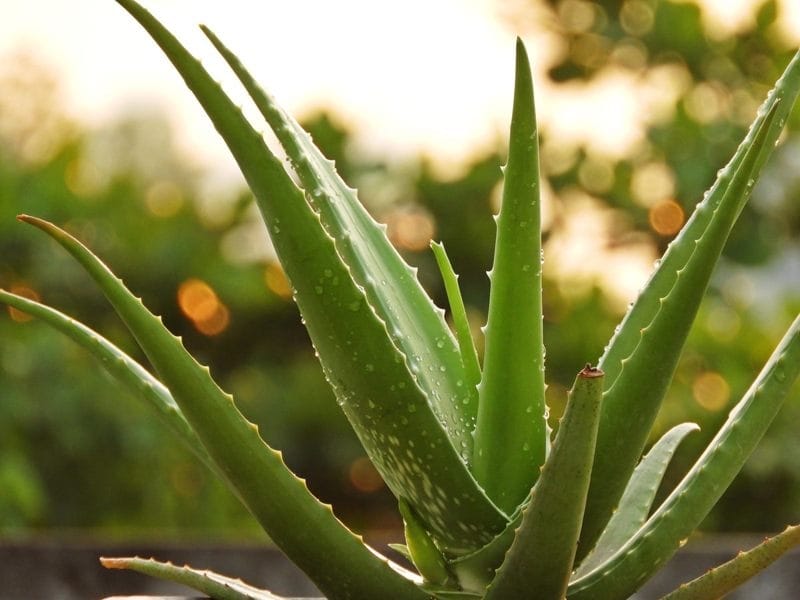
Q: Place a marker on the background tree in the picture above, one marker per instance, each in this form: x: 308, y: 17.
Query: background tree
x: 74, y: 452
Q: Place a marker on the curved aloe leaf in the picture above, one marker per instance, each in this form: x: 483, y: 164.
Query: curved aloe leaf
x: 417, y: 327
x: 337, y: 561
x: 466, y: 345
x: 373, y: 380
x: 730, y: 575
x: 208, y: 582
x: 693, y: 498
x: 780, y: 100
x: 511, y: 430
x: 654, y: 335
x: 121, y: 366
x: 540, y: 558
x: 638, y: 498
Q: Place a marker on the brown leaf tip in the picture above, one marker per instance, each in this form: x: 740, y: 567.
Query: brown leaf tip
x: 589, y: 372
x: 113, y: 563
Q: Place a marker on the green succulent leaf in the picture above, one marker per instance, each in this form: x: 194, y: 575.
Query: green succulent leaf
x: 638, y: 498
x: 475, y: 571
x: 337, y: 561
x: 542, y: 554
x: 122, y: 367
x: 690, y: 502
x: 730, y: 575
x: 511, y: 430
x: 451, y: 594
x: 778, y: 104
x: 421, y: 548
x: 466, y: 345
x: 375, y: 383
x: 416, y: 326
x: 208, y: 582
x: 490, y: 509
x: 642, y: 356
x: 446, y: 594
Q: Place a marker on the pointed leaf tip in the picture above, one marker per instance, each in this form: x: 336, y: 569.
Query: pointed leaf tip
x: 522, y: 51
x: 511, y: 404
x: 523, y: 67
x: 728, y: 576
x: 31, y: 220
x: 112, y: 563
x: 542, y: 553
x: 589, y: 372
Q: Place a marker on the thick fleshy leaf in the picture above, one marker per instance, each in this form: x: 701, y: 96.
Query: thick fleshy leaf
x: 475, y: 571
x: 642, y: 312
x: 690, y: 502
x: 451, y: 595
x: 642, y: 356
x: 541, y: 557
x: 208, y: 582
x: 122, y: 367
x: 421, y: 548
x: 335, y: 559
x: 375, y: 383
x: 638, y: 498
x: 417, y: 327
x: 511, y: 430
x: 730, y: 575
x: 466, y: 345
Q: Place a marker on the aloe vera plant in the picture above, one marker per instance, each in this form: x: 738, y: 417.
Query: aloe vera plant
x: 492, y: 507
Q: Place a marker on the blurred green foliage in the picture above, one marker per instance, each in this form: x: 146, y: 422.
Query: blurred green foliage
x: 75, y: 452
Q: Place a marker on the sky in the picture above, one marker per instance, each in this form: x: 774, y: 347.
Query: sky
x: 420, y: 75
x: 366, y: 61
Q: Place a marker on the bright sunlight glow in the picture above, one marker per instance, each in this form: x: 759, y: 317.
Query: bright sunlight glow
x: 409, y: 76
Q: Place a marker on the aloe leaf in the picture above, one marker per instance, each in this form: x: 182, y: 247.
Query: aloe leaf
x: 121, y: 366
x: 689, y: 503
x: 632, y: 401
x: 208, y: 582
x: 373, y: 381
x: 780, y: 100
x: 417, y: 327
x: 475, y: 571
x: 335, y: 559
x: 444, y: 594
x: 638, y: 498
x: 541, y: 557
x: 511, y: 430
x: 421, y: 548
x: 466, y: 345
x: 452, y: 594
x: 730, y: 575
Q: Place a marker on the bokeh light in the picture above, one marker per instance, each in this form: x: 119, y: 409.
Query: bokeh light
x: 364, y: 477
x: 652, y: 182
x: 276, y: 280
x: 200, y: 303
x: 666, y: 217
x: 411, y: 228
x: 711, y: 391
x: 83, y: 178
x: 164, y: 199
